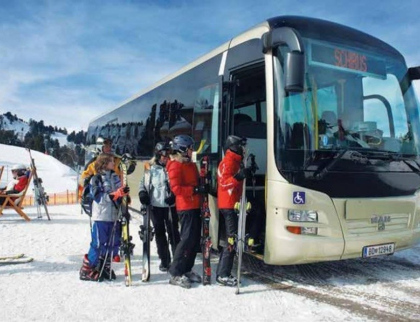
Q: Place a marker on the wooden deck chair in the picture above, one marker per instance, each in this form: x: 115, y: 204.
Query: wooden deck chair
x: 15, y: 200
x: 1, y: 171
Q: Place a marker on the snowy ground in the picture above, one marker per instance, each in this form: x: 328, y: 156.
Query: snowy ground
x: 49, y: 288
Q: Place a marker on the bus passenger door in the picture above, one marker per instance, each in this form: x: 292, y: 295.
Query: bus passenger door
x: 247, y: 117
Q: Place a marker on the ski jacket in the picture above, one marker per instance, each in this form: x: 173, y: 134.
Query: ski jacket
x: 229, y: 190
x: 156, y: 183
x: 103, y: 207
x: 183, y: 177
x: 17, y: 185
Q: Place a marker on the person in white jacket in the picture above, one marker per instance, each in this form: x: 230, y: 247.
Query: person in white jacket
x: 154, y: 191
x: 107, y: 192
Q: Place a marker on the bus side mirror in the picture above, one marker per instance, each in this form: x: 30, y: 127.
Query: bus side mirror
x: 294, y: 62
x: 294, y: 71
x: 414, y: 73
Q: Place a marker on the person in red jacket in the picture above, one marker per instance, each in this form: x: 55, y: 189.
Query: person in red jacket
x: 184, y: 183
x: 18, y: 184
x: 230, y: 176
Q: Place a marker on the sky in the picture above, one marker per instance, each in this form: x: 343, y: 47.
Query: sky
x: 48, y: 288
x: 66, y: 62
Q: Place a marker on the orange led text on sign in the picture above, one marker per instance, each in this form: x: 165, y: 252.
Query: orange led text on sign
x: 350, y: 60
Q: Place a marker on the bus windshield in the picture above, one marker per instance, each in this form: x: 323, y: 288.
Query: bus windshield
x: 353, y: 100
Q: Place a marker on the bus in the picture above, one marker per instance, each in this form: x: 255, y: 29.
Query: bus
x: 331, y: 116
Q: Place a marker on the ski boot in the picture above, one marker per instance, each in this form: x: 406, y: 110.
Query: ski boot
x: 227, y: 281
x: 88, y: 273
x: 182, y: 281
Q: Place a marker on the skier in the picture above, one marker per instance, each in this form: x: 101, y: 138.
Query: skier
x: 155, y: 191
x: 18, y: 184
x: 229, y: 190
x: 108, y: 192
x: 105, y: 146
x: 183, y: 179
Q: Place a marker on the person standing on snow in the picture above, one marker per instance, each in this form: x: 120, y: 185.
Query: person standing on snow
x: 155, y: 191
x: 184, y: 183
x: 107, y: 192
x: 230, y: 178
x: 104, y: 146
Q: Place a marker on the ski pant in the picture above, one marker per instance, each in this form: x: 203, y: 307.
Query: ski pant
x: 227, y: 254
x: 189, y: 245
x: 164, y: 225
x: 101, y: 239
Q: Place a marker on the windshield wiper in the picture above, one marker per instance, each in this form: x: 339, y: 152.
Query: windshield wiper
x: 321, y: 172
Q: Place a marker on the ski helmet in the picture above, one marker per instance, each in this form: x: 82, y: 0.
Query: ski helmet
x: 181, y: 143
x: 161, y: 148
x: 235, y: 144
x: 18, y: 167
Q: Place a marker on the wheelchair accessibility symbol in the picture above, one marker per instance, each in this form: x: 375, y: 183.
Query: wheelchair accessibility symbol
x: 299, y: 198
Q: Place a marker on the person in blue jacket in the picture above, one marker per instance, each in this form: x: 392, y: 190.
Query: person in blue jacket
x: 107, y: 191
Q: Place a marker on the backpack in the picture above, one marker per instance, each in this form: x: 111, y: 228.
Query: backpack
x: 87, y: 197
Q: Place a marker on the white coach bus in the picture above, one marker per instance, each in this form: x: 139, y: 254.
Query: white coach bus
x: 330, y: 114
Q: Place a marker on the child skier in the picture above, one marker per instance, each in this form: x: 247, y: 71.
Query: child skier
x: 107, y: 192
x: 104, y: 146
x: 183, y: 179
x: 154, y: 190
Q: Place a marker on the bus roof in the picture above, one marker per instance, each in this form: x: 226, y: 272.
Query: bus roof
x: 307, y: 27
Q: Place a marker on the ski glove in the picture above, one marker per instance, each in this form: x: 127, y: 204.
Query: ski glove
x: 243, y: 173
x: 170, y: 200
x: 202, y: 189
x: 144, y: 198
x: 119, y: 193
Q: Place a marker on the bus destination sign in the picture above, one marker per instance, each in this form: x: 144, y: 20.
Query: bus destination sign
x: 346, y: 59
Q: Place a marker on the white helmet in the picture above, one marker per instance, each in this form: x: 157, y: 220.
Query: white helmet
x: 18, y: 167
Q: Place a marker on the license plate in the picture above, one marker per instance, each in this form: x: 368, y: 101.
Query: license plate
x: 378, y: 250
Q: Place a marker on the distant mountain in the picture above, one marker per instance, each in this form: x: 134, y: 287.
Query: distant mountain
x: 67, y: 148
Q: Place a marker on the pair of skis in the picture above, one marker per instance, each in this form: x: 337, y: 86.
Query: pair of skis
x: 41, y: 198
x: 126, y: 247
x: 146, y: 236
x: 15, y: 259
x: 206, y: 243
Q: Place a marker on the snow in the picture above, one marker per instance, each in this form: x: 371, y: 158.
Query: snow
x: 56, y: 176
x: 49, y: 289
x: 61, y: 137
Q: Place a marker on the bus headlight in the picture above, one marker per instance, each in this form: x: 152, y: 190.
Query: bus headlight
x: 302, y: 215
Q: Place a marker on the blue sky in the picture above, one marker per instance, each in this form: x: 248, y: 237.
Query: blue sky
x: 68, y: 61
